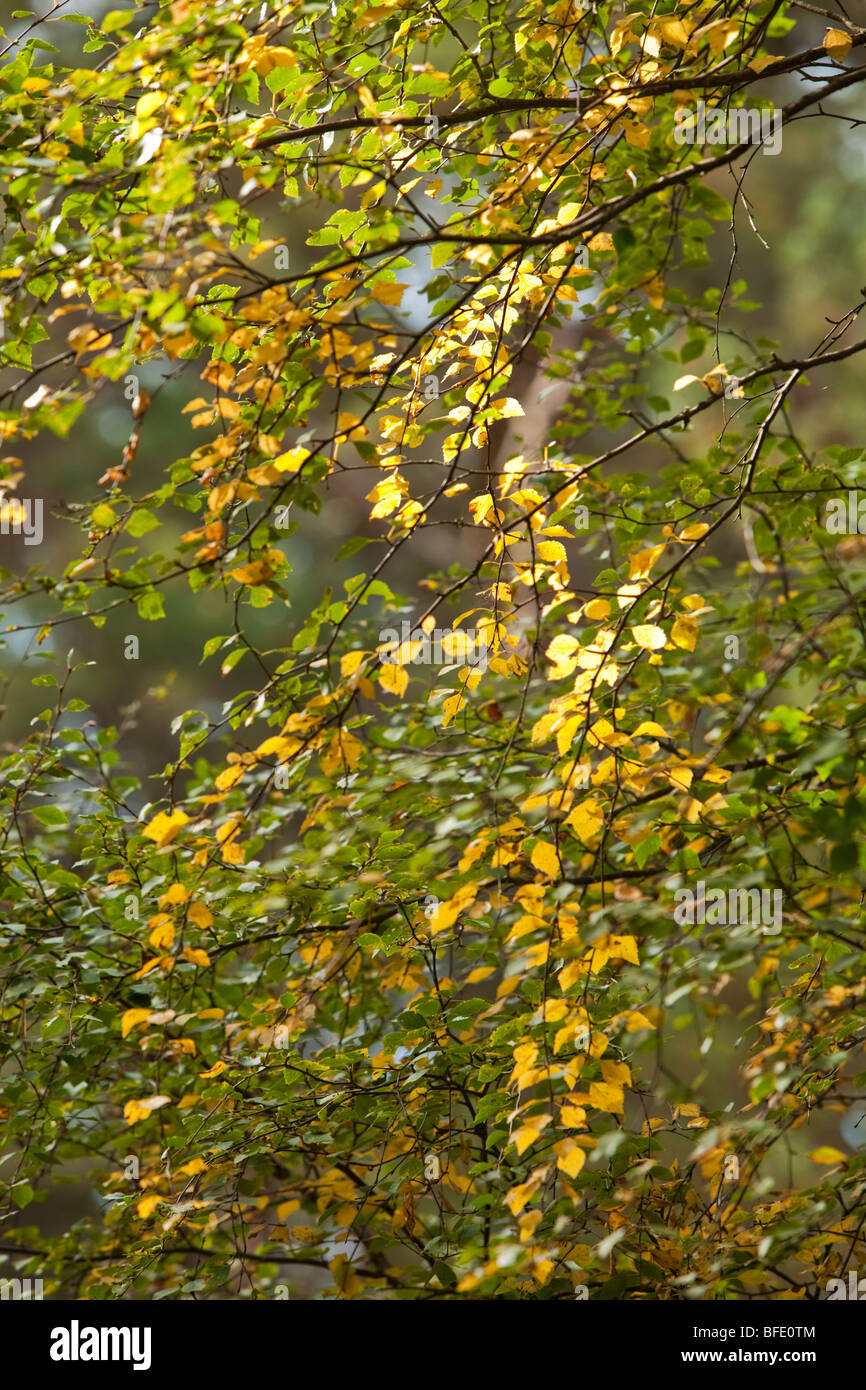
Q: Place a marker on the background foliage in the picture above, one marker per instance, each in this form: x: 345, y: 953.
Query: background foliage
x: 347, y: 975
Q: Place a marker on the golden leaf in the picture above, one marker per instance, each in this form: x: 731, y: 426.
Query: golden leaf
x: 175, y: 894
x: 198, y: 913
x: 827, y: 1154
x: 131, y: 1019
x: 216, y: 1070
x: 135, y: 1110
x: 623, y: 948
x: 604, y: 1095
x: 570, y: 1157
x: 388, y: 292
x: 586, y: 820
x: 837, y: 43
x: 393, y: 678
x: 545, y: 859
x: 162, y: 935
x: 648, y: 636
x: 148, y: 1204
x: 152, y: 964
x: 163, y: 828
x: 200, y: 958
x: 684, y: 633
x: 552, y: 551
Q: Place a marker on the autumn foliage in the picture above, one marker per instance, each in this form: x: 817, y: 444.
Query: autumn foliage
x: 376, y: 989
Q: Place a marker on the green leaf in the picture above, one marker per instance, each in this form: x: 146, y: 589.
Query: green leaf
x: 150, y: 606
x: 117, y: 19
x: 50, y: 815
x: 141, y: 522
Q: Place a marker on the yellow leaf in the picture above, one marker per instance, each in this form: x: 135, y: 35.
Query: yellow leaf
x: 568, y: 213
x: 655, y: 291
x: 387, y: 496
x: 279, y: 745
x: 837, y: 43
x: 634, y: 1021
x: 175, y: 894
x: 131, y: 1019
x: 196, y: 957
x: 694, y: 533
x: 86, y: 338
x: 636, y: 134
x: 586, y: 820
x: 573, y: 1116
x: 545, y: 859
x: 163, y: 828
x: 198, y: 913
x: 481, y: 972
x: 388, y: 292
x: 219, y: 496
x: 672, y: 31
x: 570, y: 1157
x: 251, y: 574
x: 718, y: 774
x: 150, y: 102
x: 684, y: 633
x: 826, y: 1154
x: 554, y: 1010
x: 528, y: 1223
x: 518, y: 1196
x: 480, y: 506
x: 342, y: 753
x: 721, y: 35
x: 285, y: 1209
x: 147, y: 1205
x: 679, y: 776
x: 623, y: 948
x: 451, y: 708
x: 565, y: 735
x: 603, y: 1095
x: 758, y: 64
x: 619, y: 34
x: 162, y: 935
x: 150, y: 965
x: 526, y: 1136
x: 640, y: 564
x: 648, y: 636
x: 215, y: 1070
x: 617, y: 1072
x: 195, y: 1165
x: 230, y: 776
x: 274, y: 58
x: 552, y: 551
x: 563, y: 653
x: 135, y: 1110
x: 292, y: 461
x: 507, y: 408
x: 393, y: 678
x: 446, y: 913
x: 350, y: 662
